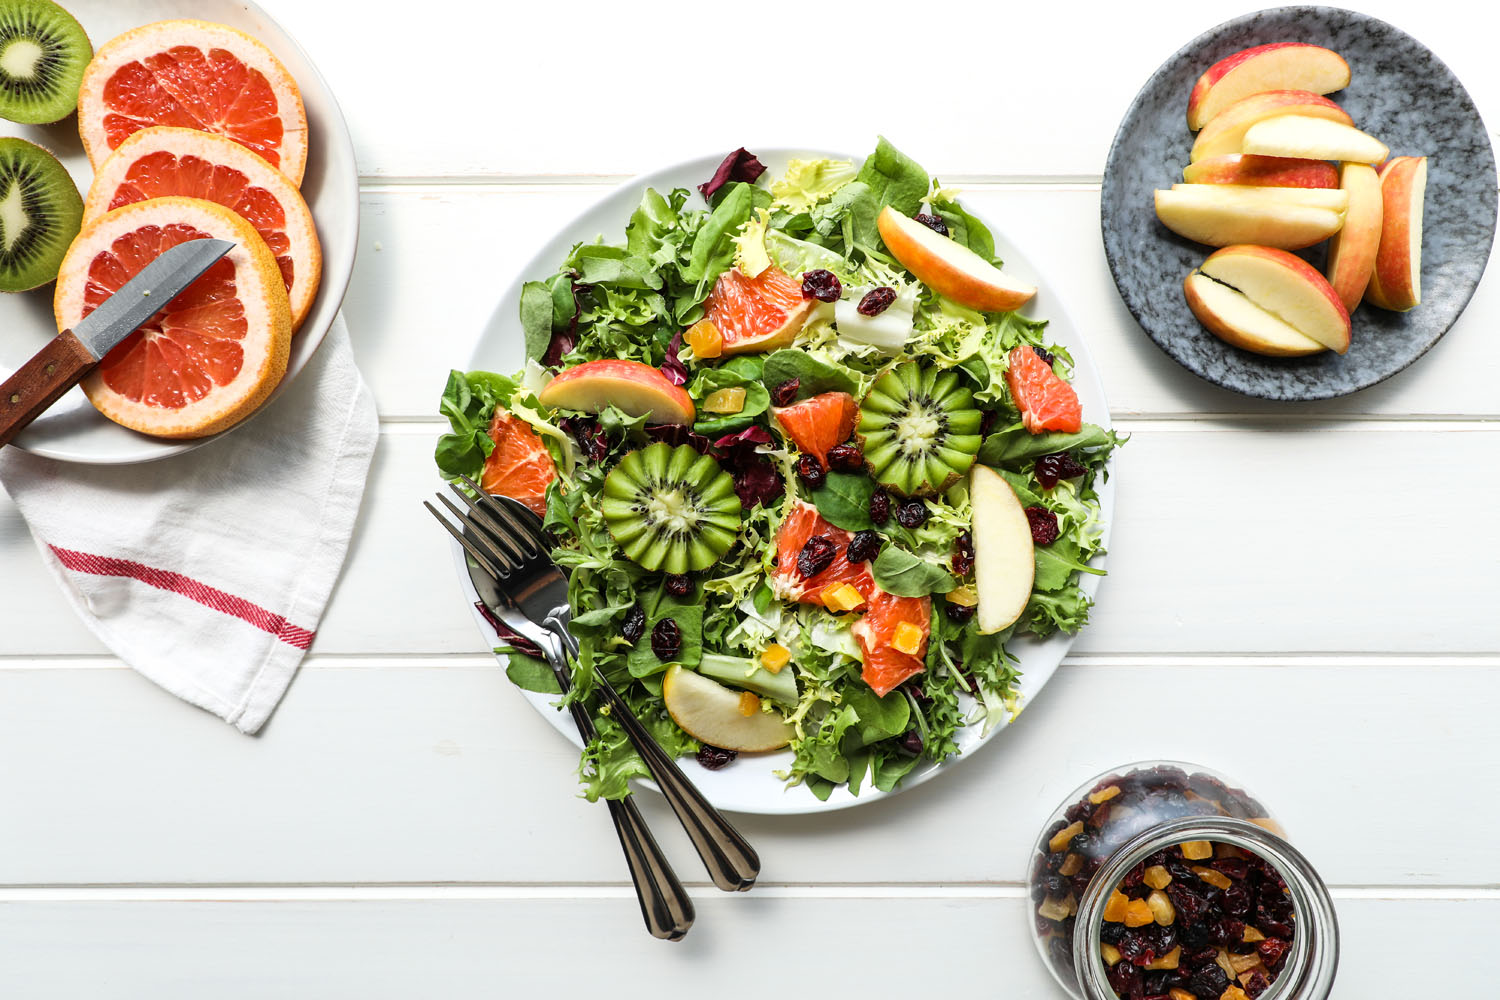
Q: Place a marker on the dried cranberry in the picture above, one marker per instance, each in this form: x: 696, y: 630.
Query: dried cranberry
x: 1047, y: 356
x: 714, y: 758
x: 880, y: 507
x: 1135, y: 947
x: 960, y: 613
x: 678, y: 584
x: 864, y: 546
x: 963, y: 554
x: 1272, y: 924
x: 785, y: 394
x: 1125, y: 979
x: 912, y: 744
x: 1256, y: 984
x: 816, y: 556
x: 1059, y: 465
x: 810, y: 471
x: 1043, y: 525
x: 1235, y: 868
x: 1237, y: 901
x: 666, y: 639
x: 1273, y: 952
x: 847, y: 457
x: 1209, y: 981
x: 933, y: 222
x: 1226, y: 932
x: 821, y: 285
x: 635, y: 625
x: 1111, y: 932
x: 876, y: 301
x: 912, y: 513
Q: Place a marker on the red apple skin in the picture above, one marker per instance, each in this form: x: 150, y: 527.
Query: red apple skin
x: 633, y: 387
x: 1393, y: 285
x: 1262, y: 171
x: 1224, y: 131
x: 1202, y: 105
x: 1301, y: 269
x: 1230, y: 334
x: 1352, y: 250
x: 934, y: 259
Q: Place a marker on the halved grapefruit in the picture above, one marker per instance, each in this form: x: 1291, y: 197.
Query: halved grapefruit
x: 802, y: 523
x: 1046, y: 402
x: 193, y: 74
x: 212, y: 354
x: 819, y: 422
x: 162, y: 161
x: 757, y: 314
x: 519, y: 467
x: 886, y: 666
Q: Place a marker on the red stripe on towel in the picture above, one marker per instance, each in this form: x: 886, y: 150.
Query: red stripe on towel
x: 176, y: 583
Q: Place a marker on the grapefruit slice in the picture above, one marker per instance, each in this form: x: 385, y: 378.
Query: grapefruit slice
x: 1046, y: 402
x: 819, y: 422
x: 162, y: 161
x: 198, y: 75
x: 757, y: 314
x: 801, y: 524
x: 211, y: 355
x: 519, y: 467
x: 885, y: 665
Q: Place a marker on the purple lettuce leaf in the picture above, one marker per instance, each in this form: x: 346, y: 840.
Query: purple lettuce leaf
x: 672, y: 366
x: 739, y: 165
x: 507, y: 635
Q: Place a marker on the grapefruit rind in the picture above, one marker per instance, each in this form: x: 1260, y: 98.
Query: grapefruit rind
x: 258, y: 285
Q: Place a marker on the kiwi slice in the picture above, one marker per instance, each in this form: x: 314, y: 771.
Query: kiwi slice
x: 919, y: 429
x: 40, y: 213
x: 43, y: 53
x: 671, y: 509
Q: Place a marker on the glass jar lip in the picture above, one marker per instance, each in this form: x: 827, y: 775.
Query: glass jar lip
x: 1310, y: 967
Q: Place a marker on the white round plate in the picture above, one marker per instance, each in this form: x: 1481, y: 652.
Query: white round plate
x: 749, y: 784
x: 72, y: 430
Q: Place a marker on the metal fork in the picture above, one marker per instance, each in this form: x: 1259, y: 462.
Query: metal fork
x: 665, y: 905
x: 507, y: 541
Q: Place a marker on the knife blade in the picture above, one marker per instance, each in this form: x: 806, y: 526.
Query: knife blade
x: 72, y: 354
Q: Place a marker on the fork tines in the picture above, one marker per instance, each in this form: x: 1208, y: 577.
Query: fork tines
x: 495, y: 538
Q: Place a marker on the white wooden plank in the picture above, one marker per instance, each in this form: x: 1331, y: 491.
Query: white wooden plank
x: 436, y: 772
x: 434, y: 260
x: 741, y: 946
x: 617, y: 89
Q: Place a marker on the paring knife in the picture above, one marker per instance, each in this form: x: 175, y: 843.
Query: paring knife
x: 72, y: 354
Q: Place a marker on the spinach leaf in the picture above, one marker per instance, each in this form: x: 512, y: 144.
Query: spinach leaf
x: 894, y: 178
x: 965, y: 229
x: 711, y: 380
x: 531, y: 674
x: 879, y: 718
x: 537, y: 313
x: 1016, y: 444
x: 857, y: 207
x: 713, y: 247
x: 816, y: 376
x: 687, y: 612
x: 898, y: 572
x: 844, y: 500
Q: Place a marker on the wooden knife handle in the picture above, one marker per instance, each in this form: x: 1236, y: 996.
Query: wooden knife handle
x: 41, y: 381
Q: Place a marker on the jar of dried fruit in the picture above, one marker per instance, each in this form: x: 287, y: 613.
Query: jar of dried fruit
x: 1164, y: 881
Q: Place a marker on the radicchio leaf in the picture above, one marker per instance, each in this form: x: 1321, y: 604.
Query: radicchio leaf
x: 563, y: 341
x: 592, y: 440
x: 756, y: 480
x: 507, y: 635
x: 739, y: 165
x: 678, y: 434
x: 672, y: 366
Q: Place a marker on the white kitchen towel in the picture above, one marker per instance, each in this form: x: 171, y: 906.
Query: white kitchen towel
x: 208, y: 572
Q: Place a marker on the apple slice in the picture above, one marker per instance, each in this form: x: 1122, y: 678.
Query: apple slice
x: 1396, y: 282
x: 1311, y: 138
x: 1224, y: 133
x: 1221, y: 215
x: 1278, y: 66
x: 1286, y: 286
x: 1233, y: 318
x: 1004, y: 554
x: 1261, y: 171
x: 1330, y: 198
x: 950, y: 268
x: 710, y: 713
x: 1351, y: 251
x: 634, y: 388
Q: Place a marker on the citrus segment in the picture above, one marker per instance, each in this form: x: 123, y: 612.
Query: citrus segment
x: 757, y: 314
x: 818, y: 423
x: 162, y: 161
x: 1046, y: 402
x: 801, y: 524
x: 212, y: 354
x: 519, y: 467
x: 890, y: 623
x: 198, y: 75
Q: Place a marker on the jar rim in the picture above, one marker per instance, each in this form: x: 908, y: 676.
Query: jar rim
x: 1313, y: 961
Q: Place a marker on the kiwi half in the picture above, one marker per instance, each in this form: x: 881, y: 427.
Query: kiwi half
x: 671, y: 509
x: 40, y: 213
x: 919, y: 429
x: 43, y: 53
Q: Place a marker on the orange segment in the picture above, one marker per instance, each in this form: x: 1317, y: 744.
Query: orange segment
x: 1046, y: 402
x: 213, y: 354
x: 818, y: 423
x: 757, y: 314
x: 803, y: 522
x: 160, y: 161
x: 886, y: 666
x: 197, y: 75
x: 519, y: 467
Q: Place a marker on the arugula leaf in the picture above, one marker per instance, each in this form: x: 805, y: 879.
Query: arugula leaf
x: 537, y: 312
x: 531, y: 674
x: 815, y: 376
x: 844, y: 500
x: 898, y: 572
x: 894, y: 178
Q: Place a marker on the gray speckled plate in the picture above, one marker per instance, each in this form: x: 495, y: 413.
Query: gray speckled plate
x: 1399, y: 92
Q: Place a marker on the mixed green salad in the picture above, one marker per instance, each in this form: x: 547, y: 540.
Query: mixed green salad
x: 717, y: 534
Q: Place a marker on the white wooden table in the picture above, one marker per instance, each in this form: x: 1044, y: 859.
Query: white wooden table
x: 1301, y: 596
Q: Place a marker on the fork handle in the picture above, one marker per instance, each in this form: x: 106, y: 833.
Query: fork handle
x: 731, y: 862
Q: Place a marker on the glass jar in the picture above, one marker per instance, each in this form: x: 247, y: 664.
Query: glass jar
x: 1140, y: 824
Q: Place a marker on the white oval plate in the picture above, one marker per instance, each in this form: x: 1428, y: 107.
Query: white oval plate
x: 73, y: 431
x: 749, y: 784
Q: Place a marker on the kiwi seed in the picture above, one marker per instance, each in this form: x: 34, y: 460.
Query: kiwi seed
x: 43, y: 53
